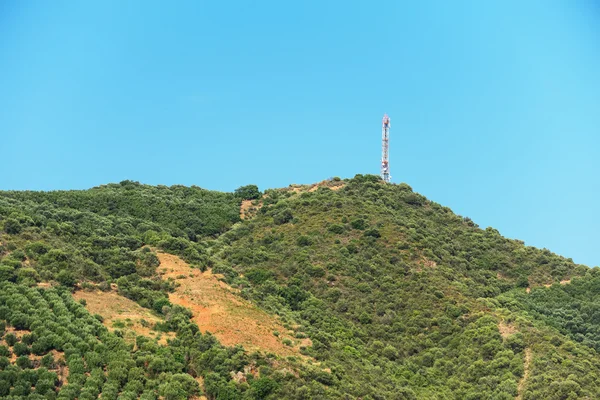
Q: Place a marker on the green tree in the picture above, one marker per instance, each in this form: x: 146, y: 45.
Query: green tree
x: 248, y: 192
x: 12, y: 226
x: 66, y: 278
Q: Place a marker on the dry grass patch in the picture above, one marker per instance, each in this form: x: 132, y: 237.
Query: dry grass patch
x: 248, y: 209
x: 217, y: 309
x: 122, y: 313
x: 506, y: 329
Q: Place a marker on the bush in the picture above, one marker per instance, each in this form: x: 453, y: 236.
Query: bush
x: 358, y: 223
x: 23, y: 362
x: 4, y: 362
x: 248, y: 192
x: 263, y: 387
x: 10, y: 339
x: 21, y: 349
x: 12, y: 226
x: 304, y: 241
x: 283, y: 217
x: 258, y: 275
x: 7, y: 273
x: 158, y: 304
x: 372, y: 233
x: 336, y: 228
x: 65, y: 278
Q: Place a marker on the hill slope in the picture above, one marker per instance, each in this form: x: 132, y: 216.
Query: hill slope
x: 393, y: 295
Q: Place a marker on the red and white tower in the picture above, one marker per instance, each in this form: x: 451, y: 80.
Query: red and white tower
x: 385, y: 148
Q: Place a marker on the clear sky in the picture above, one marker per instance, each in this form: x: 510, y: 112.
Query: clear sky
x: 495, y: 105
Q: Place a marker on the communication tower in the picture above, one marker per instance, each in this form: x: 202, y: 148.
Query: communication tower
x: 385, y: 148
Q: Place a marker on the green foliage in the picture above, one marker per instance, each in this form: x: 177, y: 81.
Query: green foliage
x: 304, y: 241
x: 263, y: 387
x: 10, y: 339
x: 248, y: 192
x: 336, y: 228
x: 12, y: 226
x: 406, y: 303
x: 65, y: 278
x: 283, y: 216
x: 21, y: 349
x: 100, y: 362
x: 400, y: 297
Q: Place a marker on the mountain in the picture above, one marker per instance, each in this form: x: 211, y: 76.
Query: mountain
x: 346, y: 289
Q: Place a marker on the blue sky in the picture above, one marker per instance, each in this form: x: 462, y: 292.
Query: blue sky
x: 495, y: 106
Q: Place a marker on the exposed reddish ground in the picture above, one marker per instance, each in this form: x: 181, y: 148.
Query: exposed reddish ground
x: 248, y: 210
x: 217, y: 309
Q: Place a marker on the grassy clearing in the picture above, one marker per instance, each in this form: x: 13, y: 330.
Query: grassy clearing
x: 121, y: 313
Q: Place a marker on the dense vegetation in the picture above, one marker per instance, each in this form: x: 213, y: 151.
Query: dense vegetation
x: 97, y: 235
x: 401, y: 298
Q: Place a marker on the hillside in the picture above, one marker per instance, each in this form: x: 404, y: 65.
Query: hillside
x: 348, y: 289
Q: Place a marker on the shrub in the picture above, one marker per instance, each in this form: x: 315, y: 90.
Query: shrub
x: 4, y: 362
x: 7, y: 273
x: 12, y: 226
x: 23, y: 362
x: 304, y: 241
x: 65, y: 278
x: 21, y: 349
x: 358, y: 223
x: 283, y: 217
x: 372, y: 233
x: 48, y: 361
x: 263, y: 387
x: 248, y: 192
x: 336, y: 228
x: 10, y: 339
x: 258, y: 275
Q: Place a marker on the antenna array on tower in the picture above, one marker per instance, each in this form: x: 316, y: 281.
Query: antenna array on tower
x: 385, y: 147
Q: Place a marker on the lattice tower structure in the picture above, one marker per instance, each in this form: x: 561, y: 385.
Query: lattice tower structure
x: 385, y: 149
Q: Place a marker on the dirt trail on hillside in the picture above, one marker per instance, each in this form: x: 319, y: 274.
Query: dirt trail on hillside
x: 217, y: 309
x: 526, y: 373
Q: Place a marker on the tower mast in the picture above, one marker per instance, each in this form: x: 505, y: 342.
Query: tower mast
x: 385, y: 147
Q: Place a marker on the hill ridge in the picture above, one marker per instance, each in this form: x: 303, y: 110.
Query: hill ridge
x: 394, y: 295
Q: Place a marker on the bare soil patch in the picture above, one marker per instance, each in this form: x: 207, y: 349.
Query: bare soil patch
x: 217, y: 309
x: 526, y: 373
x: 120, y: 311
x: 562, y: 282
x: 249, y: 210
x: 506, y: 329
x: 503, y: 277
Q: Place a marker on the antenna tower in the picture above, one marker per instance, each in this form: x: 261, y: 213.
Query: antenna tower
x: 385, y: 148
